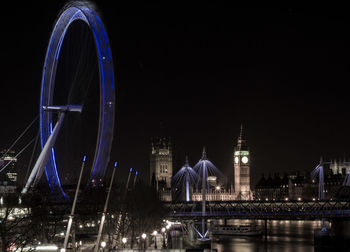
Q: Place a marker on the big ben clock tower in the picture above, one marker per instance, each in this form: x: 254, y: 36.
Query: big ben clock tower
x: 241, y: 160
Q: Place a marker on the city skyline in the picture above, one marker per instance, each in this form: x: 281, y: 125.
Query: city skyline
x: 279, y: 72
x: 162, y: 126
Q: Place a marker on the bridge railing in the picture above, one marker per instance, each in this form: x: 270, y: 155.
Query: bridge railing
x: 262, y: 209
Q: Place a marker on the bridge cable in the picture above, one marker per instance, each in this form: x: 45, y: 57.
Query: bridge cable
x: 19, y: 153
x: 20, y: 136
x: 32, y: 156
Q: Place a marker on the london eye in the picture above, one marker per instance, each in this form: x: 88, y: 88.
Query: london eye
x: 78, y: 85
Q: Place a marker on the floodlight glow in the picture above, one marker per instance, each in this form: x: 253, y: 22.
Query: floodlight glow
x: 318, y: 171
x: 143, y: 236
x: 124, y: 240
x: 186, y: 177
x: 103, y: 244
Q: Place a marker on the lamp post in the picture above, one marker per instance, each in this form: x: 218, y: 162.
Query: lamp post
x: 155, y: 238
x: 124, y: 240
x: 163, y: 232
x: 103, y: 245
x: 144, y: 240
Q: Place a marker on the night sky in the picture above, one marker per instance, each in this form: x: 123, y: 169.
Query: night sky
x: 195, y: 73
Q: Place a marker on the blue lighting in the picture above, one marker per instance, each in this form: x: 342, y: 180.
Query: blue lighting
x: 79, y: 11
x: 130, y: 170
x: 84, y: 158
x: 115, y: 164
x: 137, y: 173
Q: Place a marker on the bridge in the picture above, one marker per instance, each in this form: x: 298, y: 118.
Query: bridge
x: 298, y: 210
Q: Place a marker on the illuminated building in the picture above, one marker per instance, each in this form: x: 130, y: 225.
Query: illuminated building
x: 8, y: 175
x: 161, y: 167
x: 241, y: 164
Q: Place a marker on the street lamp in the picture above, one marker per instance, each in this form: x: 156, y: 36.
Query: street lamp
x: 103, y: 245
x: 144, y: 240
x: 124, y: 240
x: 163, y: 232
x: 155, y: 238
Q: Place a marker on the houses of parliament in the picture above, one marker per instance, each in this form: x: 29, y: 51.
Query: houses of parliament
x: 162, y: 171
x: 280, y: 186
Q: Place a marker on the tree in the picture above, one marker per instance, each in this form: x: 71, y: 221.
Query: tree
x: 139, y: 212
x: 18, y: 225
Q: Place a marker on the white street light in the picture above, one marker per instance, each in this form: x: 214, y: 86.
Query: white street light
x: 155, y: 238
x: 163, y: 233
x: 103, y: 244
x: 144, y: 240
x: 124, y: 240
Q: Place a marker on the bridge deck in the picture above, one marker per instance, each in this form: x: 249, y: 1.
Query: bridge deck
x: 262, y: 209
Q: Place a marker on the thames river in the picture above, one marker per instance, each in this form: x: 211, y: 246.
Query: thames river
x: 283, y: 235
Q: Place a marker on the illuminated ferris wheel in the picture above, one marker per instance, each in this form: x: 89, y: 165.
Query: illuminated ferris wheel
x: 77, y: 100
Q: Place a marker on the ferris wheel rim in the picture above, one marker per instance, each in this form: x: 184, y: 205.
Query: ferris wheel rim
x: 70, y: 13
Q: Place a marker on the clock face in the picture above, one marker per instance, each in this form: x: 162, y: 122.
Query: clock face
x: 244, y: 160
x: 236, y: 160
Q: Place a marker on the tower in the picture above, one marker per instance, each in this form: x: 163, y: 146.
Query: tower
x: 161, y: 165
x: 241, y: 165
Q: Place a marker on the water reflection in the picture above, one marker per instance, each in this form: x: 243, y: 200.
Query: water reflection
x: 285, y: 236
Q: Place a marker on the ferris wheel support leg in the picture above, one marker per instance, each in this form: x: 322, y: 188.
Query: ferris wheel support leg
x: 44, y: 155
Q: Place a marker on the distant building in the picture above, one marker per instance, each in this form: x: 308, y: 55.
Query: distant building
x: 215, y: 193
x: 161, y: 167
x: 272, y: 188
x: 339, y: 166
x: 8, y: 175
x: 241, y: 164
x: 295, y: 186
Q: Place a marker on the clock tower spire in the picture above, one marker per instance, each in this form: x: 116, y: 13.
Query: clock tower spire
x: 241, y: 166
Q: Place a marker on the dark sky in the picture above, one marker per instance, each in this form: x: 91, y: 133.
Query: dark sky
x: 201, y: 71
